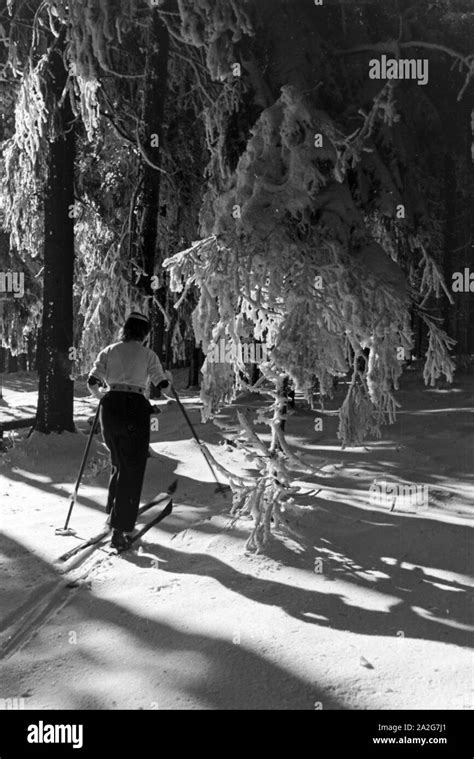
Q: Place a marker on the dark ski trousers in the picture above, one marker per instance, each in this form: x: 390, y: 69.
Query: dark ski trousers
x: 125, y: 421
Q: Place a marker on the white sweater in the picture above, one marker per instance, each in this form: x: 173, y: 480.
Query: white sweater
x: 128, y: 363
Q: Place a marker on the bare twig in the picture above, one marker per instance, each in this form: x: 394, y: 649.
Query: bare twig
x: 166, y: 316
x: 144, y: 155
x: 394, y: 46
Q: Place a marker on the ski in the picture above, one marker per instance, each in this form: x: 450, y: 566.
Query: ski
x: 147, y: 526
x: 160, y: 498
x: 82, y: 546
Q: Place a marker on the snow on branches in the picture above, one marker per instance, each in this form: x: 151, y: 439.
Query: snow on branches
x: 438, y: 360
x: 214, y: 25
x: 287, y: 261
x: 23, y: 156
x: 95, y: 27
x: 285, y: 269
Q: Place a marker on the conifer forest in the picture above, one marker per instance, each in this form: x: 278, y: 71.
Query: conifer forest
x: 236, y: 362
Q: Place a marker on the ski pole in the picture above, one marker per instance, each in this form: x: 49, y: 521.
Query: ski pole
x: 220, y: 487
x: 66, y: 530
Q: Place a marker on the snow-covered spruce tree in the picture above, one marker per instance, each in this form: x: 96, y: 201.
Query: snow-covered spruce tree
x: 293, y: 257
x: 106, y: 275
x: 52, y: 57
x: 106, y: 61
x: 39, y: 162
x: 287, y: 261
x: 108, y: 58
x: 19, y: 317
x: 103, y: 70
x: 134, y: 203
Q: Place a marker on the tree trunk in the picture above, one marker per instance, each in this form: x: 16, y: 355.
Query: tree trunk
x: 449, y: 231
x: 12, y: 363
x: 31, y: 353
x: 280, y: 411
x: 153, y: 113
x: 56, y: 389
x: 196, y: 361
x: 3, y: 356
x: 470, y: 258
x: 467, y: 239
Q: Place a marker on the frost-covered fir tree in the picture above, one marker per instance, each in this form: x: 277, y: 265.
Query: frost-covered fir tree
x: 301, y: 251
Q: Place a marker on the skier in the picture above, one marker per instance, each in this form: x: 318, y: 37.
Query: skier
x: 125, y: 368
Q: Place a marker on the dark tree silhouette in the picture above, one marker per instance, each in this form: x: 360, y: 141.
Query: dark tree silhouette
x: 56, y: 388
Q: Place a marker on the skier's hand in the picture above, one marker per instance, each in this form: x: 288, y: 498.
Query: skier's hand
x: 95, y: 391
x: 96, y: 387
x: 98, y: 392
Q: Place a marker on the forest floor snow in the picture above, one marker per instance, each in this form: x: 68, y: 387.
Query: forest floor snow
x: 353, y: 605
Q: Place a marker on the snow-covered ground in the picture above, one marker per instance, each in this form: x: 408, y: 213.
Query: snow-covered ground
x: 354, y: 605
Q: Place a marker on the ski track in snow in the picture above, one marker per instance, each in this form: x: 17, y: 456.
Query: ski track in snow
x: 353, y: 607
